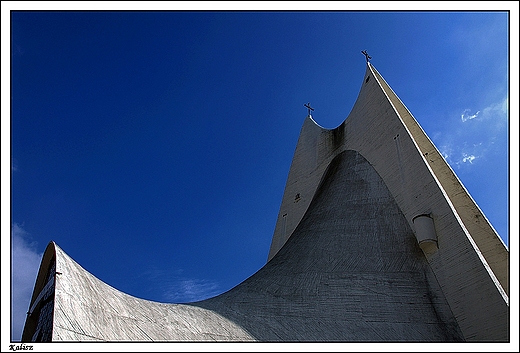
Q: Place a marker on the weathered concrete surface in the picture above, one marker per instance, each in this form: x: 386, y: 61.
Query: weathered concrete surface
x: 471, y: 263
x: 344, y: 263
x: 352, y: 271
x: 87, y: 309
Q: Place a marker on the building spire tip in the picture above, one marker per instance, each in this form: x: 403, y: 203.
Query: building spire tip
x: 309, y: 108
x: 368, y: 57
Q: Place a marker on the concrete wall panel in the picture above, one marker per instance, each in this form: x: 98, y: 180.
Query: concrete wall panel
x: 472, y: 262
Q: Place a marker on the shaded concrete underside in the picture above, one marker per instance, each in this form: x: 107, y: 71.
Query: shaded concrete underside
x: 351, y: 271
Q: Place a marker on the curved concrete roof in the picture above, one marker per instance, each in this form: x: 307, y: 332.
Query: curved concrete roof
x: 345, y: 263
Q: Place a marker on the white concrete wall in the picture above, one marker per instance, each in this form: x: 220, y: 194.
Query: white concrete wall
x: 471, y: 262
x: 352, y: 270
x: 87, y: 309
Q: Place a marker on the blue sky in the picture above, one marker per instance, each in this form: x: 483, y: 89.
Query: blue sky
x: 153, y: 147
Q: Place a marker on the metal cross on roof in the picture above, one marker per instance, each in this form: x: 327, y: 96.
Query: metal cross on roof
x: 364, y: 52
x: 309, y: 108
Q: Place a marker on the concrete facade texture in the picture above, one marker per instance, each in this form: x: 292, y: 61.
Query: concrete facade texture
x: 376, y: 240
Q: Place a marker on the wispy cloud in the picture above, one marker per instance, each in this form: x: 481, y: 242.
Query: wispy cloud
x: 468, y: 158
x: 497, y: 113
x: 174, y: 286
x: 25, y: 261
x: 185, y: 290
x: 466, y: 116
x: 472, y: 138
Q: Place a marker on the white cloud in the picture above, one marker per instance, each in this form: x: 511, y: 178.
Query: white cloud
x: 472, y: 138
x: 465, y: 116
x: 497, y: 113
x: 468, y: 158
x: 25, y: 262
